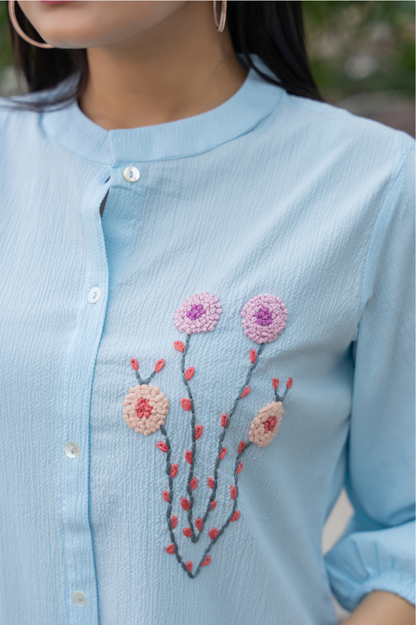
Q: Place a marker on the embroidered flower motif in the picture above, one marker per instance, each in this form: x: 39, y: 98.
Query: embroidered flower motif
x: 264, y: 427
x: 145, y: 409
x: 198, y: 313
x: 264, y: 318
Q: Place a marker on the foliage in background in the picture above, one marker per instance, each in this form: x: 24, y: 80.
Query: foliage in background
x: 361, y: 46
x: 355, y: 47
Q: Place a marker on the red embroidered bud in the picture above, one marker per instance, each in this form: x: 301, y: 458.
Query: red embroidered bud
x: 179, y: 346
x: 213, y: 533
x: 253, y: 355
x: 198, y: 431
x: 245, y: 392
x: 159, y: 365
x: 240, y: 467
x: 174, y: 521
x: 162, y: 446
x: 186, y: 404
x: 275, y: 383
x: 223, y: 452
x: 210, y: 482
x: 185, y: 504
x: 224, y: 420
x: 187, y: 532
x: 213, y: 504
x: 233, y: 491
x: 188, y: 456
x: 198, y: 524
x: 241, y: 446
x: 189, y: 373
x: 289, y: 383
x: 166, y: 495
x: 134, y: 364
x: 193, y: 483
x: 206, y: 561
x: 235, y: 516
x: 174, y: 470
x: 170, y: 548
x: 189, y: 566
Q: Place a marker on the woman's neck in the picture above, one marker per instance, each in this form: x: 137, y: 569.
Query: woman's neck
x: 180, y: 68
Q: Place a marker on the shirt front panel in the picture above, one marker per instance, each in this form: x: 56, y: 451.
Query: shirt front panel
x: 273, y: 212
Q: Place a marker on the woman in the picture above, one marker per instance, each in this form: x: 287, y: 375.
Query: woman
x: 206, y: 315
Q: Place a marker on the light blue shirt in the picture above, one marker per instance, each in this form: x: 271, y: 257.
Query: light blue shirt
x: 269, y: 239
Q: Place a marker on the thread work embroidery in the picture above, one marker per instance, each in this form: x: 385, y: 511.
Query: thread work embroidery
x: 145, y: 410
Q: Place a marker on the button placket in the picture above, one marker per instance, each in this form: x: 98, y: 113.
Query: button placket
x: 79, y: 576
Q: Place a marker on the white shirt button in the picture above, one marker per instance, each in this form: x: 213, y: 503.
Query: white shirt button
x: 94, y: 295
x: 71, y: 449
x: 79, y: 598
x: 131, y: 174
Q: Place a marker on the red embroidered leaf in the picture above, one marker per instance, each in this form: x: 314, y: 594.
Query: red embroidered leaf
x: 193, y: 483
x: 159, y: 365
x: 174, y: 521
x: 185, y: 503
x: 253, y: 356
x: 170, y: 548
x: 213, y: 533
x: 174, y: 470
x: 166, y: 495
x: 198, y: 431
x: 189, y: 566
x: 246, y: 391
x: 206, y: 561
x: 187, y: 532
x: 186, y: 404
x: 289, y: 383
x: 240, y: 467
x: 198, y: 524
x: 241, y: 446
x: 210, y: 482
x: 188, y: 456
x: 275, y: 383
x: 224, y: 420
x: 235, y: 516
x: 179, y: 346
x: 189, y: 373
x: 213, y: 504
x: 223, y: 452
x: 134, y: 364
x: 162, y: 446
x: 233, y: 491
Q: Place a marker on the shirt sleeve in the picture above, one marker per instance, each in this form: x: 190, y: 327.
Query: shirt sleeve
x: 376, y: 551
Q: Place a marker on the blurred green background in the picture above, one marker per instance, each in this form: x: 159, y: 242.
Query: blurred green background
x: 362, y: 56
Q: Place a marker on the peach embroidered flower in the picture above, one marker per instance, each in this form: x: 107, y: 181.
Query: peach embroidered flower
x: 145, y: 409
x: 264, y: 427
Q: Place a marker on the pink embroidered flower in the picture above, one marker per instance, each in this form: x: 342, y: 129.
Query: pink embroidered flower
x: 264, y: 318
x: 264, y: 427
x: 198, y: 313
x: 145, y: 409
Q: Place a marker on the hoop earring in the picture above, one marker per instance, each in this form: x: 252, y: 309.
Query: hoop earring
x: 220, y: 25
x: 16, y: 26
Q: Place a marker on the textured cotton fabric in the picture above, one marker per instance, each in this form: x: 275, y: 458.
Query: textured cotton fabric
x: 268, y: 194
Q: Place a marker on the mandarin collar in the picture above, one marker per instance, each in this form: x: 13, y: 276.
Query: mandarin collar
x: 254, y: 100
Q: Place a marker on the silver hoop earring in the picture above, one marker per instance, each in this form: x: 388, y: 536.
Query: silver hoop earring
x: 220, y: 25
x: 16, y: 26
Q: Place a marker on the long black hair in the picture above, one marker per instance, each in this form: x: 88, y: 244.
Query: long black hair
x: 272, y: 30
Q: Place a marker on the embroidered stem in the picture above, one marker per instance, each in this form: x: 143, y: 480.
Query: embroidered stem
x: 147, y: 380
x: 228, y: 521
x: 221, y: 439
x: 169, y: 508
x: 193, y: 425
